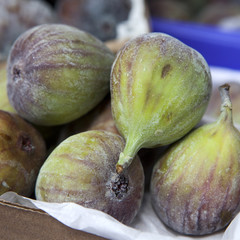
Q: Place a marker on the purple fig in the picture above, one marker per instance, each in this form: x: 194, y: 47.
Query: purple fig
x: 57, y: 73
x: 195, y: 186
x: 81, y: 169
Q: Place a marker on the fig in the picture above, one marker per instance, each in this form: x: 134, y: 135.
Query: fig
x: 81, y: 169
x: 160, y: 89
x: 4, y: 103
x: 195, y: 186
x: 57, y: 73
x: 22, y: 153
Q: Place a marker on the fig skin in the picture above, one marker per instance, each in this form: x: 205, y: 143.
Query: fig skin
x: 82, y: 170
x: 57, y: 73
x: 195, y: 186
x: 160, y: 89
x: 22, y: 153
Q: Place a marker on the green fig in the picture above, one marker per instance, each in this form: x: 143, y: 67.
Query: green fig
x: 81, y: 169
x: 160, y: 89
x: 195, y: 186
x: 57, y: 73
x: 22, y: 153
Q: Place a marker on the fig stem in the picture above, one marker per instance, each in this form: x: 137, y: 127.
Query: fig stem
x: 126, y: 157
x: 226, y: 105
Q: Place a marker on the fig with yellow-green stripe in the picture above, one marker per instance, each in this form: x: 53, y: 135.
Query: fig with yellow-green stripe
x: 160, y: 89
x: 195, y: 186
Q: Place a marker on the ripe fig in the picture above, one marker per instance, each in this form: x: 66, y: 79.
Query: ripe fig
x: 22, y: 153
x: 57, y: 73
x: 82, y: 170
x: 195, y: 186
x: 4, y: 103
x: 160, y: 89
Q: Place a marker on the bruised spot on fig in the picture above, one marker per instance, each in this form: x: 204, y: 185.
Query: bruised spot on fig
x: 25, y: 144
x: 6, y: 137
x: 16, y: 73
x: 226, y: 216
x: 214, y: 133
x: 120, y: 186
x: 168, y: 116
x: 166, y: 69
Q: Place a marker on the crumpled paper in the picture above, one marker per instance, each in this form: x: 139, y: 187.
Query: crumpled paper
x: 146, y: 225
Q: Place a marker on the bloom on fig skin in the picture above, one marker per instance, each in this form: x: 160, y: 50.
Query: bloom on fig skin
x: 57, y: 73
x: 195, y: 186
x: 82, y: 170
x: 160, y: 89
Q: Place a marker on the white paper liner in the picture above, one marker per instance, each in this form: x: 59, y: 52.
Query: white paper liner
x: 146, y: 225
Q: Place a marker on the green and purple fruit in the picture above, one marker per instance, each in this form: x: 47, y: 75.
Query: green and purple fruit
x: 195, y: 186
x: 22, y: 153
x: 160, y: 89
x: 57, y: 73
x: 82, y: 170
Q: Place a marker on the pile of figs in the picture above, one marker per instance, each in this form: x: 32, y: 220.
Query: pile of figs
x: 81, y: 124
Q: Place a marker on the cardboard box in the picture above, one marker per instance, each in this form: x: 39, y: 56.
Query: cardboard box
x: 19, y: 222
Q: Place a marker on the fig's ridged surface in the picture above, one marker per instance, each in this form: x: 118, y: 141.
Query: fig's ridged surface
x: 160, y: 89
x: 195, y: 186
x: 57, y: 73
x: 82, y: 170
x: 22, y: 153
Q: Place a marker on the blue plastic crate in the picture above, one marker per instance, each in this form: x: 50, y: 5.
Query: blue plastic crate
x: 219, y: 47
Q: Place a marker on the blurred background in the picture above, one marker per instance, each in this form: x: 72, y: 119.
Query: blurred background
x: 210, y: 26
